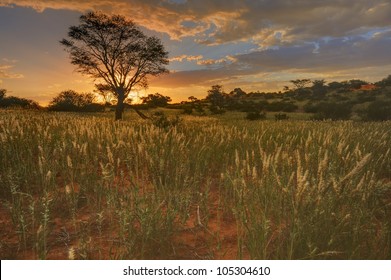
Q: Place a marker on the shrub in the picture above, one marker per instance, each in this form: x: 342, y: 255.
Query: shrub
x: 377, y: 111
x: 159, y: 119
x: 216, y: 110
x: 187, y: 110
x: 311, y: 107
x: 281, y: 116
x: 156, y: 100
x: 333, y: 111
x: 12, y: 101
x: 281, y: 106
x: 71, y: 101
x: 252, y: 116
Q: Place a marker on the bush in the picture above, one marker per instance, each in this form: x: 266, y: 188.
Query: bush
x: 215, y: 110
x: 311, y: 108
x: 333, y: 111
x: 71, y: 101
x: 281, y: 116
x: 251, y: 106
x: 159, y: 119
x: 377, y: 111
x: 156, y: 100
x: 2, y: 93
x: 93, y: 107
x: 252, y: 116
x: 187, y: 110
x: 365, y: 97
x: 12, y: 101
x: 281, y: 106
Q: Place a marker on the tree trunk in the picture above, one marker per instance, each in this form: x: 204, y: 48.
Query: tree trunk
x: 119, y: 109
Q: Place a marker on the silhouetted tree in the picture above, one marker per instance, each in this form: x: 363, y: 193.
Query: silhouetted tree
x: 13, y: 101
x: 238, y: 92
x: 340, y: 87
x: 156, y: 100
x: 356, y: 84
x: 216, y: 97
x: 192, y: 99
x: 113, y: 50
x: 300, y: 83
x: 385, y: 82
x: 2, y: 93
x: 319, y: 87
x: 71, y: 101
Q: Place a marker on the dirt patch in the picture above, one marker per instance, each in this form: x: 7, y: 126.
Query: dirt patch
x: 82, y: 237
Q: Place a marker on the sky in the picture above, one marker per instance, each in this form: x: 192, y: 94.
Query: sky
x: 257, y: 45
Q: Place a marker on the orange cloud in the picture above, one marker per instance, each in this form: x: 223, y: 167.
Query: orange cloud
x: 6, y: 74
x: 214, y: 22
x: 210, y: 62
x: 183, y: 57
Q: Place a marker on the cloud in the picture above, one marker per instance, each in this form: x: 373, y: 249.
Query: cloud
x: 184, y: 57
x: 268, y: 23
x: 327, y: 58
x: 6, y: 74
x: 286, y: 37
x: 338, y: 53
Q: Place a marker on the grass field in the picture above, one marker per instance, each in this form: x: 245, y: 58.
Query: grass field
x: 78, y: 186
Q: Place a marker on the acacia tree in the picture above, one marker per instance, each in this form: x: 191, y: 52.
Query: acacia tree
x: 300, y: 83
x: 114, y: 51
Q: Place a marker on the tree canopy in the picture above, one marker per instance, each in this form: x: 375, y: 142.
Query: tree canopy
x: 71, y: 101
x: 156, y: 100
x: 116, y: 53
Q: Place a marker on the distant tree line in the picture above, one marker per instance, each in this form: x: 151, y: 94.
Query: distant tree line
x: 16, y: 102
x: 355, y: 99
x: 72, y: 101
x: 335, y: 100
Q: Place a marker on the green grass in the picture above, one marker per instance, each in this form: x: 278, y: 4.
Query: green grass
x: 295, y: 189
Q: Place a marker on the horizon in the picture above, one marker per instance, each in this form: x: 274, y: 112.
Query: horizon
x: 238, y: 44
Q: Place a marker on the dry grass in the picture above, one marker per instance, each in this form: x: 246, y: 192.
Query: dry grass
x: 85, y: 187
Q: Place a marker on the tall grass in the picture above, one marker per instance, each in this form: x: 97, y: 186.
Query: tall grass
x: 295, y: 189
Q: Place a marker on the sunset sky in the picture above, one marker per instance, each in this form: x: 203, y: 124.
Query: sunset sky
x: 252, y: 44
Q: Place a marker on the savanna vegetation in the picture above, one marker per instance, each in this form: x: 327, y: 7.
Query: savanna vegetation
x: 300, y: 174
x: 348, y: 100
x: 77, y: 186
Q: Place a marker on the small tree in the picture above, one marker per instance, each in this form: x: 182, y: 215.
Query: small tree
x: 333, y: 111
x: 114, y: 51
x: 319, y: 87
x: 216, y: 97
x: 192, y: 99
x: 385, y: 82
x: 300, y: 83
x: 17, y: 102
x: 70, y: 100
x: 2, y: 93
x: 156, y: 100
x: 377, y: 111
x: 237, y: 92
x: 356, y: 84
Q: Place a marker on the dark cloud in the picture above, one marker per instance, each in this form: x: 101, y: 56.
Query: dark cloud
x: 339, y: 53
x: 267, y: 22
x: 323, y: 57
